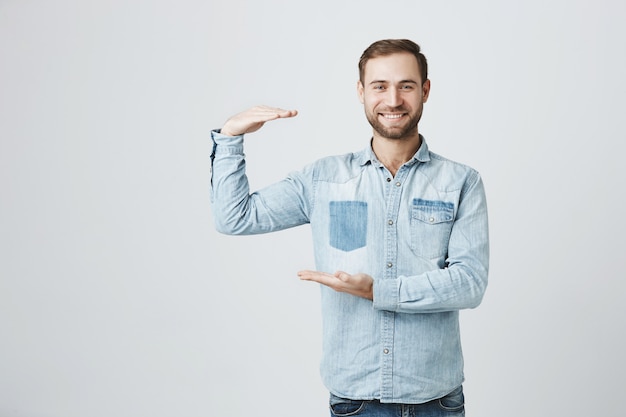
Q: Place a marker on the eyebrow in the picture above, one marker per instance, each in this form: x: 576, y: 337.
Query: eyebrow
x: 387, y: 82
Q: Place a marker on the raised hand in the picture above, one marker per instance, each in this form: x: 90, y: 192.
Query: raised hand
x: 359, y: 284
x: 253, y: 119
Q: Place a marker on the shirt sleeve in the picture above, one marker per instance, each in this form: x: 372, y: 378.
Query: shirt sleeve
x: 237, y: 211
x: 459, y: 285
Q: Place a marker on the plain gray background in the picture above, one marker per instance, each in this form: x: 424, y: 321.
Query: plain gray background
x: 117, y: 296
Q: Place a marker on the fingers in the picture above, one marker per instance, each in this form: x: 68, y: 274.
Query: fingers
x: 323, y: 278
x: 332, y: 280
x: 253, y: 119
x: 359, y: 284
x: 319, y: 277
x: 266, y: 113
x: 278, y: 112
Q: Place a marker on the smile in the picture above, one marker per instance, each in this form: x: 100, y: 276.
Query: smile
x: 392, y: 116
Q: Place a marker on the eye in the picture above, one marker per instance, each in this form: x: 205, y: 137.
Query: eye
x: 378, y: 87
x: 407, y: 87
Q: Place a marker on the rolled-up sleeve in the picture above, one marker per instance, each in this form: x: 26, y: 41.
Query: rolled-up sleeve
x: 236, y: 210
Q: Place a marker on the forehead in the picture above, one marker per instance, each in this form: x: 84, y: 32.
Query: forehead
x: 394, y: 67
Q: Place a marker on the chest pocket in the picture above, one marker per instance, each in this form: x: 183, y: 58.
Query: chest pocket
x: 348, y: 224
x: 431, y: 224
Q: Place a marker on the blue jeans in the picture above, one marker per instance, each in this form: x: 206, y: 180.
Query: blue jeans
x: 452, y: 405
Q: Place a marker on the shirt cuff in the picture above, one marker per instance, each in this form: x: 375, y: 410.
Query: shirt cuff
x: 220, y: 139
x: 386, y: 294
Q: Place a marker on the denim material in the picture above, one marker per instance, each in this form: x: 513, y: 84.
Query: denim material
x: 451, y: 405
x: 422, y: 235
x: 347, y: 224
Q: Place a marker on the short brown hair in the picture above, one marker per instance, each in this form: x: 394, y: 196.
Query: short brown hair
x: 393, y: 46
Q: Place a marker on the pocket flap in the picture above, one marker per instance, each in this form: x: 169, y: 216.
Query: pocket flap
x: 432, y: 211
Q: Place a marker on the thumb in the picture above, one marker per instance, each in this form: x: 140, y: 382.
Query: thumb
x: 342, y: 275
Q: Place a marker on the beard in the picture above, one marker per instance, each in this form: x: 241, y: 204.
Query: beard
x: 397, y: 132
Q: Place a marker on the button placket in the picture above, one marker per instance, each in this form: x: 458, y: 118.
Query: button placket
x: 393, y: 200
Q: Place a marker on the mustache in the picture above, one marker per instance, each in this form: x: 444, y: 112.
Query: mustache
x: 398, y: 109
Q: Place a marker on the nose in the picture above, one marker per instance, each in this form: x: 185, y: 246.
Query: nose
x: 394, y: 98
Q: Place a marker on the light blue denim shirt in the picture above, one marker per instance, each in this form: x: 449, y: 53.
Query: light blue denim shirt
x: 422, y: 235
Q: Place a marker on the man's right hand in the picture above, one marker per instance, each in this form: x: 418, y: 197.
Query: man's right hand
x: 253, y: 119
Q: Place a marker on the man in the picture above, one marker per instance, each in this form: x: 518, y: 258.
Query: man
x: 400, y: 238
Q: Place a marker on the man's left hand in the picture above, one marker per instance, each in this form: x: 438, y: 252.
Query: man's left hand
x: 361, y: 285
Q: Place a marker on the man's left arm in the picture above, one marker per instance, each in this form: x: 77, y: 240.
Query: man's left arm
x: 461, y: 284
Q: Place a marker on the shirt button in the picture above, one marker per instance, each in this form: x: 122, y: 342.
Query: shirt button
x: 398, y: 184
x: 389, y: 264
x: 388, y: 179
x: 432, y: 219
x: 390, y: 222
x: 385, y: 351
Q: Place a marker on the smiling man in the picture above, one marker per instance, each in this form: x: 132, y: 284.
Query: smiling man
x: 400, y: 237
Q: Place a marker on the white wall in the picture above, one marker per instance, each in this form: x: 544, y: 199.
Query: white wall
x: 117, y: 296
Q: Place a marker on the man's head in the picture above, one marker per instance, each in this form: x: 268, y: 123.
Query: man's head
x: 393, y: 87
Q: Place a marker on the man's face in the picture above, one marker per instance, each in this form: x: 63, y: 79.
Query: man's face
x: 393, y: 95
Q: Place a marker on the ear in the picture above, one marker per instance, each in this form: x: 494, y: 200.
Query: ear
x: 425, y: 91
x: 359, y: 90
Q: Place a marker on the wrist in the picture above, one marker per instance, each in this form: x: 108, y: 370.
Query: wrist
x: 224, y: 131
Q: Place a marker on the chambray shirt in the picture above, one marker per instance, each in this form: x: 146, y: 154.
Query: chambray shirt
x: 422, y: 235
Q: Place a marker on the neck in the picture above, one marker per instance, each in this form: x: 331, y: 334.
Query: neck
x: 393, y: 153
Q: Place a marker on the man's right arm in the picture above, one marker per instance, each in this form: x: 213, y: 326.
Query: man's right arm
x: 236, y: 211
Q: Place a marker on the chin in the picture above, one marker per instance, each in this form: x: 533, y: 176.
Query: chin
x: 396, y: 134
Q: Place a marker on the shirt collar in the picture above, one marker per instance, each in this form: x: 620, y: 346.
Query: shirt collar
x: 368, y: 155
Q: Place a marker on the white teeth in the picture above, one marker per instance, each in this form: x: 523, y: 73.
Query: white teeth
x: 392, y: 116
